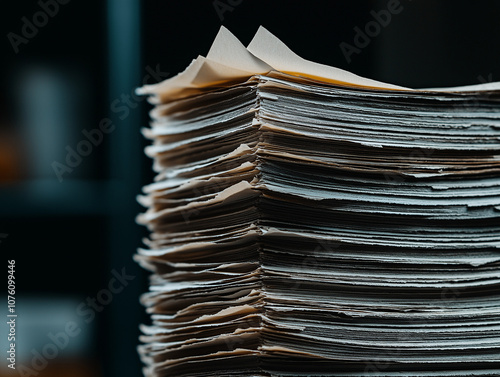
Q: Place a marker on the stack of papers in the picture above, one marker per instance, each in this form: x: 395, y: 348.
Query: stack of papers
x: 306, y: 221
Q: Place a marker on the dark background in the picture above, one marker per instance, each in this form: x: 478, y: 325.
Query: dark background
x: 67, y: 237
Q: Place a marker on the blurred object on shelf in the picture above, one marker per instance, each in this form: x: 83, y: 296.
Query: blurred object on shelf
x: 12, y: 157
x: 50, y: 106
x: 51, y: 338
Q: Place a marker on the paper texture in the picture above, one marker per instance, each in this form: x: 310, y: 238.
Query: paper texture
x: 305, y: 221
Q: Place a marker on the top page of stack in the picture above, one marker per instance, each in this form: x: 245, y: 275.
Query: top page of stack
x: 229, y: 62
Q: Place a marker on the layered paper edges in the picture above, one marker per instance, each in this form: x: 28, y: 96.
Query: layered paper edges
x: 229, y: 60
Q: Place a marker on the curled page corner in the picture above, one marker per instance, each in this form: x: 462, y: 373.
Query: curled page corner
x: 180, y: 81
x: 228, y: 60
x: 274, y: 52
x: 229, y: 51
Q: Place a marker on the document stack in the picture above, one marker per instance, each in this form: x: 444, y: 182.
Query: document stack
x: 306, y: 221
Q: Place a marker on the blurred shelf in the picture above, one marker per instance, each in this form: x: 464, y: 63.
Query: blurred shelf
x: 48, y: 197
